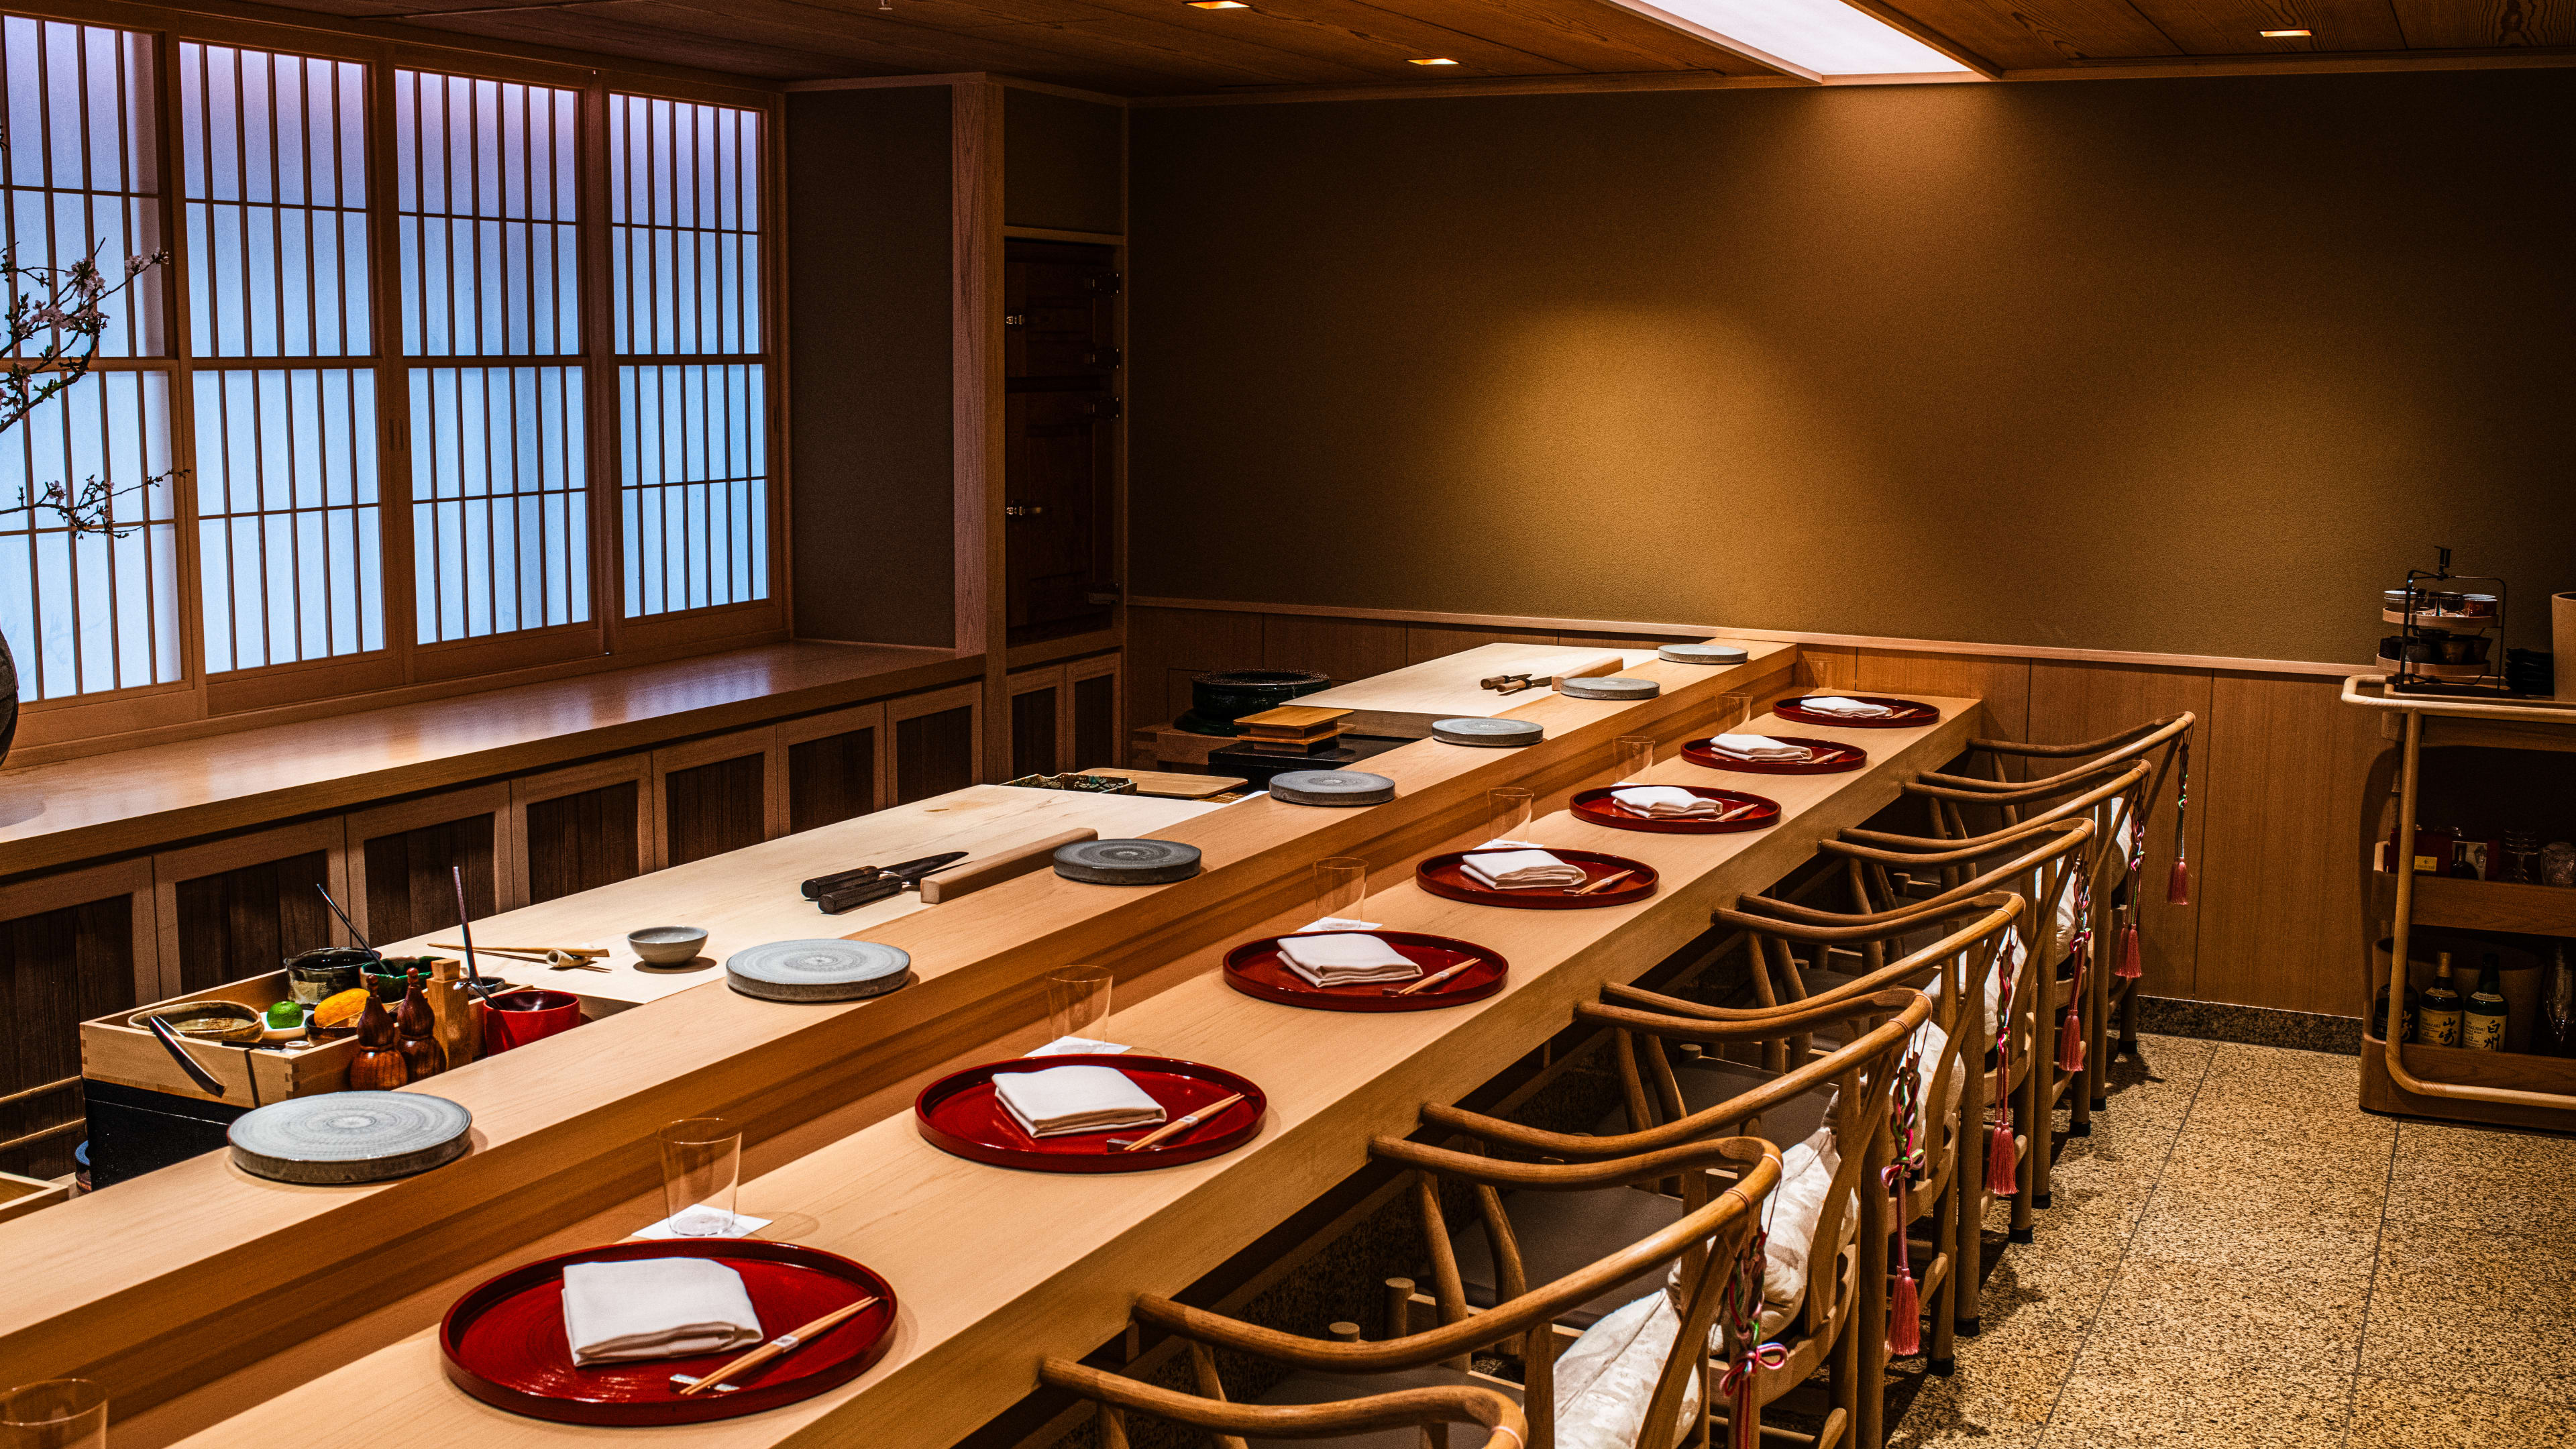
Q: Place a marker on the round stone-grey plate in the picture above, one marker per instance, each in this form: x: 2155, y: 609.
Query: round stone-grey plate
x: 825, y: 969
x: 1608, y: 688
x: 1127, y: 862
x: 1493, y: 734
x: 1701, y: 654
x: 1331, y: 787
x: 339, y: 1138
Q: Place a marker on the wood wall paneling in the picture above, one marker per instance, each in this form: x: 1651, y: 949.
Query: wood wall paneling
x: 1037, y: 702
x: 1063, y: 163
x: 1426, y: 642
x: 1093, y: 730
x: 72, y: 946
x: 2278, y: 793
x: 717, y: 794
x: 937, y: 741
x: 2070, y: 703
x: 580, y: 828
x: 1339, y: 649
x: 2003, y: 684
x: 836, y: 766
x: 400, y: 856
x: 239, y: 907
x: 1166, y: 646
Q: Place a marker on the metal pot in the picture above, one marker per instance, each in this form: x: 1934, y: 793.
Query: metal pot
x: 1218, y: 700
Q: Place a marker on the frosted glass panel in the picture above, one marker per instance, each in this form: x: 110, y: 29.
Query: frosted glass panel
x: 76, y: 163
x: 287, y: 526
x: 695, y: 494
x: 500, y: 516
x: 274, y: 169
x: 684, y: 233
x: 91, y: 609
x: 486, y: 196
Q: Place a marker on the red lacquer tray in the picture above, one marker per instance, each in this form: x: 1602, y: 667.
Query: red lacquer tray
x: 504, y: 1342
x: 1845, y: 757
x: 1910, y: 714
x: 1446, y: 875
x: 1255, y: 969
x: 1599, y: 808
x: 959, y: 1114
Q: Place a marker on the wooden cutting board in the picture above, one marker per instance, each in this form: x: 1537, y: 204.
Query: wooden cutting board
x: 1173, y: 786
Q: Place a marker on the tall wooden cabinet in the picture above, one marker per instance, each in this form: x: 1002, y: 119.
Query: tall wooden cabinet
x: 1060, y: 416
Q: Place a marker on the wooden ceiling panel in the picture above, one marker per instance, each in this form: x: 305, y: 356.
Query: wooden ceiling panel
x: 2028, y: 34
x: 2486, y: 24
x: 1600, y: 38
x: 2235, y: 27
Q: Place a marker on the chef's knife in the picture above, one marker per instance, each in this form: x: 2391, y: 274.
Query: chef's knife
x: 851, y: 889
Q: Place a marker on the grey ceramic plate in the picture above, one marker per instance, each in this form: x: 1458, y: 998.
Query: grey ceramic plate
x: 1127, y: 862
x: 1496, y: 734
x: 1608, y: 688
x: 345, y: 1137
x: 1701, y: 654
x: 1331, y: 787
x: 825, y: 969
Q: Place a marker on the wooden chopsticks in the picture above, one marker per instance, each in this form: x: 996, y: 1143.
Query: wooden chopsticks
x: 776, y: 1346
x: 1180, y: 1124
x: 1427, y: 982
x: 1608, y: 880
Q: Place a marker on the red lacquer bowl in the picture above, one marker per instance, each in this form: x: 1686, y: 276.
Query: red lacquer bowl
x: 1911, y: 714
x: 1446, y: 876
x: 1831, y: 758
x: 1599, y: 807
x: 1256, y: 969
x: 504, y: 1342
x: 959, y: 1114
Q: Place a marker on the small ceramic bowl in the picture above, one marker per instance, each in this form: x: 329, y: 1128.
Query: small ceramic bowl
x: 666, y: 945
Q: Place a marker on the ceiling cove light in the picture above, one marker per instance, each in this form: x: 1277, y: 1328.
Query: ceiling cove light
x: 1822, y: 37
x: 1433, y: 60
x: 2287, y: 34
x: 1218, y: 5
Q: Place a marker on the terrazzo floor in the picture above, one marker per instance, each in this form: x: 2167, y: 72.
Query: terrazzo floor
x: 2238, y: 1255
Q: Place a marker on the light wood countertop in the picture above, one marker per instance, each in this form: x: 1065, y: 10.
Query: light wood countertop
x: 996, y: 1268
x: 164, y: 1285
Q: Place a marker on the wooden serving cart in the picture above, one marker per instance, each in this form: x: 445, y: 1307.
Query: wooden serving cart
x: 2517, y: 1089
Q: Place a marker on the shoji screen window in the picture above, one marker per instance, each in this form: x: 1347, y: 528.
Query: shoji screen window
x: 692, y: 376
x: 500, y: 527
x: 89, y: 593
x: 274, y: 170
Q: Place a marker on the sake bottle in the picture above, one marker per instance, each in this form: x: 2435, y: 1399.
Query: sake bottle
x: 2482, y: 1024
x: 2439, y: 1021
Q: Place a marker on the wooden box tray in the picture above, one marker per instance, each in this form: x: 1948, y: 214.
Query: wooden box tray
x: 1832, y: 758
x: 1446, y: 876
x: 1255, y: 969
x: 504, y: 1342
x: 1758, y: 813
x: 958, y: 1114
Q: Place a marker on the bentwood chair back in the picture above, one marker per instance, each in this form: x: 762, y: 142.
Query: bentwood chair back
x: 1836, y: 1231
x: 1702, y: 1247
x: 1423, y: 1410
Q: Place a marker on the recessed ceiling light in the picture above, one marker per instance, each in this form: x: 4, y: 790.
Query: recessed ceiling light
x: 1435, y: 60
x: 1828, y: 37
x: 1218, y: 5
x: 2287, y: 34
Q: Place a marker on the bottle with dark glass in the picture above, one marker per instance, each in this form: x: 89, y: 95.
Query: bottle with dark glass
x: 2482, y: 1021
x: 2438, y: 1020
x: 2555, y: 1033
x: 2405, y: 1015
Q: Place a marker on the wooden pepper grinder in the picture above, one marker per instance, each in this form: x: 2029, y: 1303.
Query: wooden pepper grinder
x: 460, y: 1031
x: 378, y: 1065
x: 419, y: 1028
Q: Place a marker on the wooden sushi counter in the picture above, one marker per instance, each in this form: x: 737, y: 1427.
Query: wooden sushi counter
x: 219, y: 1308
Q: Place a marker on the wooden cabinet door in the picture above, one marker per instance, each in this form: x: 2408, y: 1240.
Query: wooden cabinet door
x: 1059, y: 470
x: 1059, y: 310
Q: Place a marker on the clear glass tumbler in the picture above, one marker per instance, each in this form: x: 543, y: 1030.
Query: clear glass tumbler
x: 1341, y: 883
x: 1509, y: 808
x: 1634, y: 754
x: 54, y: 1414
x: 1078, y: 1001
x: 701, y: 1166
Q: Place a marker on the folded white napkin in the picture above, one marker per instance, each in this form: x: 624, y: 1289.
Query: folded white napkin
x: 1664, y: 802
x: 1061, y: 1100
x: 1515, y: 870
x: 1835, y: 704
x: 1345, y: 959
x: 1758, y: 747
x: 655, y: 1308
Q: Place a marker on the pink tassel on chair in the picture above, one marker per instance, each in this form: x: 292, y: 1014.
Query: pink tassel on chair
x: 1905, y: 1301
x: 2003, y: 1160
x: 2178, y: 885
x: 2070, y: 1044
x: 2131, y: 965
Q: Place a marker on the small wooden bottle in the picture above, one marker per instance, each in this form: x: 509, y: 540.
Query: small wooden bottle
x: 378, y: 1065
x: 419, y: 1028
x: 460, y: 1031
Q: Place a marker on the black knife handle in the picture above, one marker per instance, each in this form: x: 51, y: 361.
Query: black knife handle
x: 839, y: 898
x: 813, y: 889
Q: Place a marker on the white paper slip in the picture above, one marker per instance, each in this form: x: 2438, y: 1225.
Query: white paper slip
x: 1345, y: 959
x: 1514, y: 870
x: 1664, y: 802
x: 1338, y: 923
x: 1080, y: 1046
x: 1759, y: 747
x: 638, y: 1308
x: 1062, y: 1100
x: 721, y: 1224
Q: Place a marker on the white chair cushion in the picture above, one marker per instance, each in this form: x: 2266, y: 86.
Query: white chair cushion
x: 1790, y: 1219
x: 1606, y: 1380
